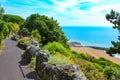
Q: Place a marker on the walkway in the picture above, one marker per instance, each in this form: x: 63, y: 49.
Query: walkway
x: 11, y: 67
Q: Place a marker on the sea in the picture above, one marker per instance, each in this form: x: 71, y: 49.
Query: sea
x: 100, y: 36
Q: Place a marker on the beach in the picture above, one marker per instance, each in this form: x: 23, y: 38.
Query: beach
x: 97, y: 53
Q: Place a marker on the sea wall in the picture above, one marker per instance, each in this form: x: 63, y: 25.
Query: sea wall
x: 47, y: 71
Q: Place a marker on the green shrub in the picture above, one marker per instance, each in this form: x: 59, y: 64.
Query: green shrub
x: 59, y: 59
x: 98, y: 66
x: 56, y: 47
x: 112, y: 73
x: 90, y: 71
x: 79, y: 55
x: 104, y: 63
x: 36, y: 35
x: 53, y: 59
x: 24, y: 40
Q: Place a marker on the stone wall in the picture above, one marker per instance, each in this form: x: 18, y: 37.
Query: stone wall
x: 46, y: 71
x: 22, y: 46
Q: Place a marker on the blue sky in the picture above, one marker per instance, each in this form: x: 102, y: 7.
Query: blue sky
x: 67, y: 12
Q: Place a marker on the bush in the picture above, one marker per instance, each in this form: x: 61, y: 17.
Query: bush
x: 59, y: 59
x: 79, y: 55
x: 35, y: 35
x: 104, y: 63
x: 24, y: 40
x: 90, y: 71
x: 98, y: 66
x: 57, y: 47
x: 112, y: 73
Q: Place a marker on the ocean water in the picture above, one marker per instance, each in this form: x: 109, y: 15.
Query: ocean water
x: 91, y: 36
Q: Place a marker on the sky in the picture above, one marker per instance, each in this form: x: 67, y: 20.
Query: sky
x: 66, y: 12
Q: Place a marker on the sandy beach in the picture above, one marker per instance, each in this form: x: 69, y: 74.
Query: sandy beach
x: 96, y: 53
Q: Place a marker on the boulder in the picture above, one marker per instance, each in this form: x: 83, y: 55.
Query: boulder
x: 47, y: 71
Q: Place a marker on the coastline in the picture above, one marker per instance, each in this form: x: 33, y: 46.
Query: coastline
x: 94, y: 51
x: 78, y: 44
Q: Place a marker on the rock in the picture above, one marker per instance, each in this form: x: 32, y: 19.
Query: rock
x: 28, y: 54
x: 69, y: 72
x: 22, y: 46
x: 47, y: 71
x: 41, y: 56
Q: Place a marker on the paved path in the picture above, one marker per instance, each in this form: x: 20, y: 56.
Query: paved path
x: 11, y: 67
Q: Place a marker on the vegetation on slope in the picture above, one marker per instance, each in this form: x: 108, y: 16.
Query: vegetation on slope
x: 48, y: 28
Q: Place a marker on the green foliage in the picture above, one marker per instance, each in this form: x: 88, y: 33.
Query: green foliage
x: 13, y: 18
x: 104, y: 63
x: 1, y: 38
x: 112, y: 73
x: 1, y: 12
x: 35, y: 35
x: 48, y: 28
x: 10, y: 26
x: 53, y: 59
x: 115, y: 49
x: 24, y: 32
x: 98, y: 66
x: 4, y: 28
x: 90, y: 66
x: 24, y: 41
x: 56, y: 47
x: 79, y: 55
x: 114, y: 18
x: 90, y: 71
x: 58, y: 59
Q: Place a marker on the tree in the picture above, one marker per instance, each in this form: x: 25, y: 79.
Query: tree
x: 16, y: 27
x: 13, y: 18
x: 4, y: 28
x: 24, y: 32
x: 48, y: 28
x: 1, y: 12
x: 114, y: 18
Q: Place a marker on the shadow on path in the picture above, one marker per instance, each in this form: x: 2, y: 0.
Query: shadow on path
x: 22, y: 63
x: 31, y: 75
x: 22, y: 71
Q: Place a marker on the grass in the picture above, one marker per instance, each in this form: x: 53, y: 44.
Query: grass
x: 60, y: 59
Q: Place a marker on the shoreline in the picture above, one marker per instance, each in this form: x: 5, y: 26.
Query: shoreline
x: 78, y: 44
x: 94, y: 51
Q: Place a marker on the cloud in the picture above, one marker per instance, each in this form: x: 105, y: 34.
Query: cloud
x: 67, y: 12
